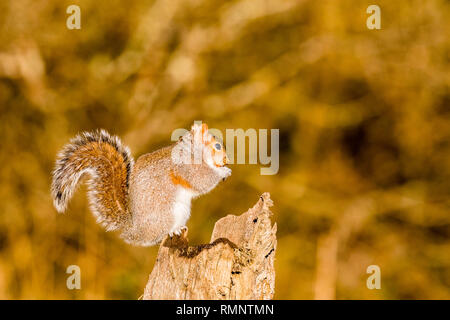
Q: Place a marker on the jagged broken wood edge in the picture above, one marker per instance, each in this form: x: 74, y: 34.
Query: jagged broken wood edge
x: 238, y: 263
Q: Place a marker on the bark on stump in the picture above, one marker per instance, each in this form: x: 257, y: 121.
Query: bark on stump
x: 236, y: 264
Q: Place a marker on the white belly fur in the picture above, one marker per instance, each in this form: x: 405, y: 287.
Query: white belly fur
x: 181, y: 209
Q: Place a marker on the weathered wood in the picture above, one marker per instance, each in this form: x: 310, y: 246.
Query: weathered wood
x: 238, y: 263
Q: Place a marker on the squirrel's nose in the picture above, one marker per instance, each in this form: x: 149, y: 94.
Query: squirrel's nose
x: 226, y: 160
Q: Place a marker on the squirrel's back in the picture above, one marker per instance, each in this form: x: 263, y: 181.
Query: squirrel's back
x: 109, y: 164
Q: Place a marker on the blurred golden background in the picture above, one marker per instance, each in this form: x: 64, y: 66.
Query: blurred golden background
x: 364, y: 135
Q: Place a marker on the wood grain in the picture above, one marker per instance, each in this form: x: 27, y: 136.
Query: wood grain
x: 238, y: 263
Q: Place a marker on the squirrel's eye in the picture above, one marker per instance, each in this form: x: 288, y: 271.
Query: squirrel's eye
x: 217, y: 146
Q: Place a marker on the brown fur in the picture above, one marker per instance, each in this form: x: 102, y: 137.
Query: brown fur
x: 178, y: 180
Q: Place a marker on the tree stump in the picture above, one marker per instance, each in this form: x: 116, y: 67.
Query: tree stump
x: 238, y: 263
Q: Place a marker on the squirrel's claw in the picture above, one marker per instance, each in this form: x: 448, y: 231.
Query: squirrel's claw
x: 179, y: 231
x: 184, y: 231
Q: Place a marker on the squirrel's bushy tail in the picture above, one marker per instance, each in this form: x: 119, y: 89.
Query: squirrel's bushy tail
x: 109, y: 165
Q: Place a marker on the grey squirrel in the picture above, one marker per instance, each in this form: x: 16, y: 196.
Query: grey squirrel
x: 145, y: 200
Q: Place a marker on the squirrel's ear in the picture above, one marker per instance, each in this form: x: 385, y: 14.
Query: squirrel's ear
x: 197, y: 134
x: 205, y: 134
x: 196, y: 128
x: 201, y: 131
x: 204, y: 128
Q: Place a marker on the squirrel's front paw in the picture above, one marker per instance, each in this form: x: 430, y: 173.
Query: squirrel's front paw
x: 178, y: 231
x: 225, y: 172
